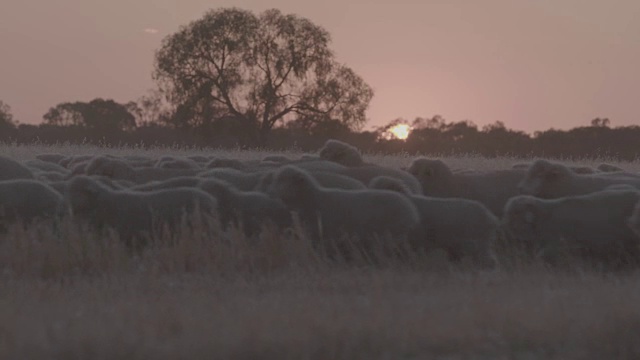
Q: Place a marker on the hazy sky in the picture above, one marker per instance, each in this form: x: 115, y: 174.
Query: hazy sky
x: 532, y: 64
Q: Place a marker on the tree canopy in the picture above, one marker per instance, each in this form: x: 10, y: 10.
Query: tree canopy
x: 98, y: 114
x: 6, y: 117
x: 263, y: 69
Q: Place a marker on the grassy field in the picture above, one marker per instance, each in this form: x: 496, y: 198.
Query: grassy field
x: 198, y: 297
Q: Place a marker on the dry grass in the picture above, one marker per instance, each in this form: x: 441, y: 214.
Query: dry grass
x: 329, y: 314
x: 66, y: 293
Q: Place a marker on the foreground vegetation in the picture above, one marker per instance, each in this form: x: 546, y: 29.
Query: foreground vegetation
x: 223, y: 296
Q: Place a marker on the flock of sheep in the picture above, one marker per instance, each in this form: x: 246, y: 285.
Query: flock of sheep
x: 547, y: 209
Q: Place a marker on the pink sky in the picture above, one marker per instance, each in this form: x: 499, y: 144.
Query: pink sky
x: 532, y: 64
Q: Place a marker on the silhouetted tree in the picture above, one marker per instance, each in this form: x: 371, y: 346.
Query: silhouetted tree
x: 497, y: 140
x: 99, y: 115
x: 199, y: 112
x: 600, y: 122
x: 435, y: 122
x: 6, y: 117
x: 151, y: 108
x: 383, y: 131
x: 427, y: 135
x: 330, y: 128
x: 264, y: 69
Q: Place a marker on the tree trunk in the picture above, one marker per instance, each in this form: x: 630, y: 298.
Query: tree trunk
x: 263, y: 135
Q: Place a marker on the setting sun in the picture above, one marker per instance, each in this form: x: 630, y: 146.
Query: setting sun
x: 400, y: 131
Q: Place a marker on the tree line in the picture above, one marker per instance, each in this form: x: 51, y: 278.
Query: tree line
x: 237, y: 79
x: 433, y: 136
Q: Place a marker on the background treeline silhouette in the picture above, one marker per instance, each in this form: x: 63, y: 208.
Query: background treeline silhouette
x: 105, y: 122
x: 237, y: 79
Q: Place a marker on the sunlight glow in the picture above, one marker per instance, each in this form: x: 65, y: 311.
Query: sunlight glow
x: 400, y: 131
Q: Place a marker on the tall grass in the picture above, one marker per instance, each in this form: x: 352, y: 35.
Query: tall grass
x: 67, y: 292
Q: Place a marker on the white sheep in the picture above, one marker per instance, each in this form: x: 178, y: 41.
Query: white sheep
x: 550, y: 180
x: 280, y: 159
x: 575, y: 169
x: 137, y: 160
x: 331, y: 213
x: 70, y: 161
x: 79, y: 168
x: 28, y: 200
x: 48, y: 176
x: 591, y: 227
x: 245, y: 181
x: 13, y: 170
x: 170, y: 162
x: 45, y: 166
x: 324, y: 179
x: 464, y: 229
x: 621, y: 187
x: 250, y: 211
x: 609, y: 168
x: 319, y: 165
x: 391, y: 184
x: 355, y: 167
x: 134, y: 215
x: 492, y: 188
x: 106, y: 166
x: 200, y: 159
x: 634, y: 220
x: 61, y: 185
x: 52, y: 158
x: 309, y: 157
x: 341, y: 153
x: 368, y: 172
x: 619, y: 173
x: 79, y: 164
x: 176, y: 182
x: 521, y: 166
x: 261, y: 166
x: 226, y: 163
x: 337, y: 181
x: 121, y: 170
x: 583, y: 170
x: 113, y: 184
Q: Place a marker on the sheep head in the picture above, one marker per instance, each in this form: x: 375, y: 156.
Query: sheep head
x: 341, y: 153
x: 542, y: 177
x: 293, y: 186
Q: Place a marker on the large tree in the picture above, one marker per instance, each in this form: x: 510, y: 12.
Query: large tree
x: 151, y: 108
x: 263, y: 69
